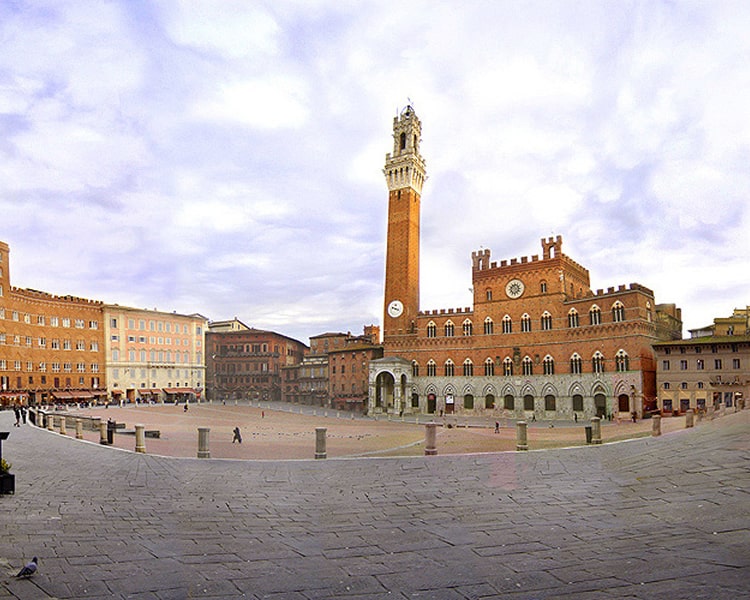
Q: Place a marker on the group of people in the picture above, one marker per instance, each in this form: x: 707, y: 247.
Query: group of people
x: 20, y: 413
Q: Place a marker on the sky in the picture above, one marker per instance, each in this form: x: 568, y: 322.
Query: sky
x: 226, y: 157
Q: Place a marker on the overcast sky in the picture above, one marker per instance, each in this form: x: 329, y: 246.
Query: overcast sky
x: 226, y: 157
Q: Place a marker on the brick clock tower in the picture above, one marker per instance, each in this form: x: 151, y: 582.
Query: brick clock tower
x: 405, y: 174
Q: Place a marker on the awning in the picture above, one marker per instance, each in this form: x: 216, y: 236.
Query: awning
x: 61, y: 395
x: 117, y: 392
x: 178, y: 390
x: 147, y: 392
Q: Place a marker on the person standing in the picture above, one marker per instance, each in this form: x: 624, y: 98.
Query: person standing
x: 17, y: 412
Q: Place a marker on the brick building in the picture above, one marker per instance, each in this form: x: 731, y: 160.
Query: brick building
x: 335, y: 372
x: 246, y: 363
x: 710, y: 369
x: 51, y: 347
x: 537, y: 343
x: 153, y: 355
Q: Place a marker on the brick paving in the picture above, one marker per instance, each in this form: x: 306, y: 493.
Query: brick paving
x: 665, y: 517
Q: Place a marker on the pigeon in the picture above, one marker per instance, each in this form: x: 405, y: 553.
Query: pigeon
x: 29, y: 569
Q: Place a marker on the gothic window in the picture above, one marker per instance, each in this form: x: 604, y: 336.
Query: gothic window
x: 402, y: 141
x: 449, y: 368
x: 618, y: 312
x: 509, y: 402
x: 468, y: 328
x: 543, y: 287
x: 449, y: 329
x: 577, y: 402
x: 468, y: 368
x: 527, y: 366
x: 549, y: 365
x: 415, y: 368
x: 489, y: 401
x: 525, y: 323
x: 576, y: 364
x: 546, y: 321
x: 507, y: 324
x: 468, y: 401
x: 622, y: 361
x: 431, y: 368
x: 573, y: 318
x: 431, y: 330
x: 595, y: 315
x: 488, y: 295
x: 489, y: 326
x: 550, y: 402
x: 489, y: 367
x: 507, y: 367
x: 597, y: 363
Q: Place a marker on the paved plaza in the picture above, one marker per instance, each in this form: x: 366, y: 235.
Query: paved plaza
x: 665, y: 517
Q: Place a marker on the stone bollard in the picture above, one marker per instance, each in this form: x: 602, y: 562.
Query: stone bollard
x: 416, y: 420
x: 522, y: 440
x: 430, y: 436
x: 63, y: 428
x: 140, y: 439
x: 320, y: 442
x: 689, y: 418
x: 656, y: 425
x: 203, y: 451
x: 79, y: 429
x: 51, y: 422
x: 596, y: 430
x: 102, y: 432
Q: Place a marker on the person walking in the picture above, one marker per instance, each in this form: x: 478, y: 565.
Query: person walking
x: 17, y: 412
x: 237, y: 436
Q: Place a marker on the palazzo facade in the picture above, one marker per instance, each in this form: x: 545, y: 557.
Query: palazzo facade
x: 538, y: 342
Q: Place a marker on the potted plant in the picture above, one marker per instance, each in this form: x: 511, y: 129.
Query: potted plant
x: 7, y: 479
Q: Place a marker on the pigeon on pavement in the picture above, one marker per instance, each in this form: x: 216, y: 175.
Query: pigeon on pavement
x: 29, y: 569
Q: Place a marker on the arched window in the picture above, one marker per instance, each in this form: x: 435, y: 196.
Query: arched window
x: 595, y: 315
x: 507, y: 367
x: 507, y: 324
x: 509, y: 402
x: 488, y: 295
x: 468, y: 368
x: 543, y: 287
x: 576, y: 364
x: 431, y: 330
x: 489, y: 326
x: 548, y: 365
x: 546, y: 321
x: 489, y: 401
x: 449, y: 329
x: 431, y: 368
x: 597, y: 362
x: 449, y: 368
x: 618, y: 312
x: 525, y: 323
x: 527, y: 366
x: 415, y: 368
x: 489, y: 367
x: 469, y: 401
x: 549, y: 402
x: 622, y: 361
x: 468, y: 327
x: 573, y: 318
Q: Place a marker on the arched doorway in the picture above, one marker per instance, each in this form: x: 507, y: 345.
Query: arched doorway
x: 600, y: 404
x: 431, y: 403
x: 384, y: 385
x: 623, y: 403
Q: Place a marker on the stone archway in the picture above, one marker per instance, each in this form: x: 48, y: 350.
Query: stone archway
x: 384, y: 390
x: 600, y: 405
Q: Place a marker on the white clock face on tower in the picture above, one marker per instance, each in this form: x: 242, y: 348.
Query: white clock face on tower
x: 395, y: 309
x: 514, y: 288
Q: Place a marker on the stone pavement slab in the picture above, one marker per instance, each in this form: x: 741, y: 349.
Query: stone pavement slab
x: 665, y: 517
